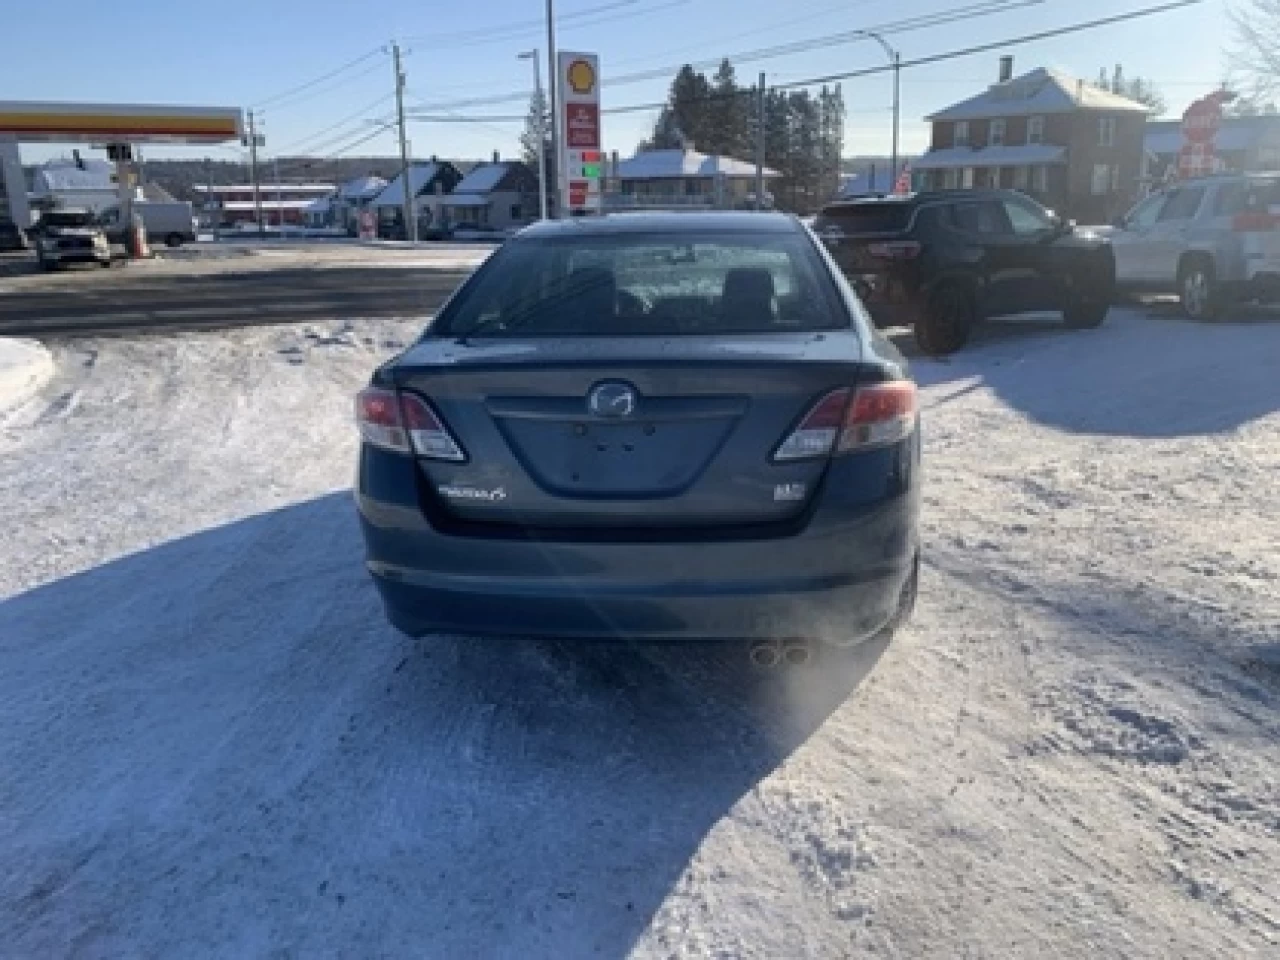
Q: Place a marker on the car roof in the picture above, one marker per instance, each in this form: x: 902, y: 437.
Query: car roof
x: 612, y: 224
x: 924, y: 196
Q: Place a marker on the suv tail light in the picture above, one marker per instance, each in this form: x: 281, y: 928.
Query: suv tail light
x: 404, y: 423
x: 872, y: 416
x: 894, y: 249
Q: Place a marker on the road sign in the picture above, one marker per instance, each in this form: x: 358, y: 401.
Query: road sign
x: 581, y: 159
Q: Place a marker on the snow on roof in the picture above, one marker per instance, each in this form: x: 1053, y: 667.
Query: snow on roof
x: 66, y: 175
x: 1040, y: 91
x: 1236, y: 133
x: 1025, y: 155
x: 362, y: 188
x: 320, y: 188
x: 420, y: 175
x: 236, y: 205
x: 660, y: 164
x: 319, y: 206
x: 484, y: 178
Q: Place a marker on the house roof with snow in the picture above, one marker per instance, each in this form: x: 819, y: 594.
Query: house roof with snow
x: 362, y: 188
x: 1235, y: 134
x: 62, y: 175
x: 1015, y: 155
x: 421, y: 176
x: 669, y: 164
x: 1041, y: 91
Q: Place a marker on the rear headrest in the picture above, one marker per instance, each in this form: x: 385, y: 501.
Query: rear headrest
x: 748, y: 285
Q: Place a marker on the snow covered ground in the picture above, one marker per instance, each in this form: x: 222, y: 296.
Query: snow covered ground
x: 212, y: 746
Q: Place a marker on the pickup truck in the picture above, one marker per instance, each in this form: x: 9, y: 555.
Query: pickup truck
x: 70, y: 236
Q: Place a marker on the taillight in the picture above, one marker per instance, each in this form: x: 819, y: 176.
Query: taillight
x: 1250, y: 221
x: 894, y: 249
x: 845, y: 420
x: 881, y: 413
x: 404, y: 423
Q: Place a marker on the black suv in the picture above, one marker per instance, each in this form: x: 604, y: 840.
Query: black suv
x: 941, y: 261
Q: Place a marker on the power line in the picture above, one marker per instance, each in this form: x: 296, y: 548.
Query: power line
x: 588, y: 16
x: 294, y: 145
x: 337, y: 71
x: 920, y: 22
x: 945, y: 55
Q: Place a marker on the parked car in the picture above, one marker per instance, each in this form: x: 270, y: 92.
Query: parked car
x: 940, y: 262
x: 69, y: 235
x: 1212, y: 241
x: 12, y: 236
x: 628, y: 426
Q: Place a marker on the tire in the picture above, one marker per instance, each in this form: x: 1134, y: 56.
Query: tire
x: 1198, y: 290
x: 173, y: 240
x: 48, y: 266
x: 944, y: 324
x: 1085, y: 316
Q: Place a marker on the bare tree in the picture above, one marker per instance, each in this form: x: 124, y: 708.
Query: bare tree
x: 1255, y: 53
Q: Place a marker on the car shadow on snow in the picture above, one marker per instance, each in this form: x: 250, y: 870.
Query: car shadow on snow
x: 216, y: 747
x: 1142, y: 374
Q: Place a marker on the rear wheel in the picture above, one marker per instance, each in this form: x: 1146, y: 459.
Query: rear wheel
x: 943, y: 326
x: 1085, y: 316
x: 1199, y: 291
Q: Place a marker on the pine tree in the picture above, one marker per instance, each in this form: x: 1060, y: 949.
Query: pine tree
x: 689, y: 102
x: 727, y: 114
x: 537, y: 125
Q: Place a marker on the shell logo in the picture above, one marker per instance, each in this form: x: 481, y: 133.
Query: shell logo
x: 581, y: 76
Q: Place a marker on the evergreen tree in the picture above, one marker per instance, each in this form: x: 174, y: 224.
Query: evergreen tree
x: 689, y: 103
x: 726, y: 115
x: 537, y: 124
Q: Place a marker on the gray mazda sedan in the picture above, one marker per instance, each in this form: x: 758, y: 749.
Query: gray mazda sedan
x: 650, y: 426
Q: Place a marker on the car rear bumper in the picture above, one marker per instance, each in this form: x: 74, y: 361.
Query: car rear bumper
x: 839, y: 575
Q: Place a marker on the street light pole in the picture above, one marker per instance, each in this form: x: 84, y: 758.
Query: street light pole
x: 895, y: 60
x: 553, y: 189
x: 541, y: 105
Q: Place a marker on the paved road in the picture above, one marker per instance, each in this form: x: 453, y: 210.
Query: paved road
x: 81, y: 301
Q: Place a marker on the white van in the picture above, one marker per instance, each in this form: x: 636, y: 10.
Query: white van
x: 171, y: 223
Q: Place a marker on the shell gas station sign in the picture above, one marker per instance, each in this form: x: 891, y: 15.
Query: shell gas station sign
x: 581, y: 158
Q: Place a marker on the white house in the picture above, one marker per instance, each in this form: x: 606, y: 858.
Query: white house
x: 90, y: 184
x: 685, y: 178
x: 428, y: 185
x: 502, y: 194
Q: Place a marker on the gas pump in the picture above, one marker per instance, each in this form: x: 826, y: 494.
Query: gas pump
x: 135, y: 231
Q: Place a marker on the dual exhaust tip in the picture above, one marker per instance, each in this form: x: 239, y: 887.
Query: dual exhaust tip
x: 770, y: 654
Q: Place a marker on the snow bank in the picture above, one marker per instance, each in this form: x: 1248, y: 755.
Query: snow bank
x: 25, y: 367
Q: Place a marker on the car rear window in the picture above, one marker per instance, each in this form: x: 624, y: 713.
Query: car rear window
x: 637, y: 284
x: 871, y: 217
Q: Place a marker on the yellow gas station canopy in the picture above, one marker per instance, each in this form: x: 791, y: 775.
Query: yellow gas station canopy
x: 122, y: 123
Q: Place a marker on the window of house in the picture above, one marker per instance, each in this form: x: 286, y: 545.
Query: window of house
x: 950, y: 179
x: 996, y: 137
x: 1035, y: 130
x: 966, y: 178
x: 1040, y: 179
x: 1100, y: 182
x: 1115, y: 178
x: 1021, y: 178
x: 1106, y: 131
x: 961, y: 136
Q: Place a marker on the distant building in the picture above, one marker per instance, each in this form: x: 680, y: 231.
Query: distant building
x: 429, y: 183
x: 1073, y: 146
x: 1242, y: 144
x: 281, y: 202
x: 658, y: 179
x: 502, y: 194
x: 86, y: 183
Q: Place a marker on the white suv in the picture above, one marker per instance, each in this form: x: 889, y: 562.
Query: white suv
x: 1212, y: 241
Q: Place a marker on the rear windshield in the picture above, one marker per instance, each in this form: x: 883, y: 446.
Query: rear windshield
x: 874, y: 217
x: 636, y: 284
x: 67, y: 219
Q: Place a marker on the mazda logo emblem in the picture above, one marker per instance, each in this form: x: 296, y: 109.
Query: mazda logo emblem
x: 612, y: 400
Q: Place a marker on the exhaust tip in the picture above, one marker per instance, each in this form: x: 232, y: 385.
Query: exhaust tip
x: 765, y: 656
x: 797, y: 653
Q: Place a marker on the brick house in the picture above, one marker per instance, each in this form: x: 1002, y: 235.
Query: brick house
x: 1074, y: 147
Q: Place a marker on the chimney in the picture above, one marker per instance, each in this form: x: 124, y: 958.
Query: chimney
x: 496, y: 157
x: 1006, y: 68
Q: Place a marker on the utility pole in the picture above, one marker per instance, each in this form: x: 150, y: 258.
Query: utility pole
x: 253, y: 173
x: 897, y: 101
x: 410, y: 221
x: 553, y: 75
x: 760, y: 121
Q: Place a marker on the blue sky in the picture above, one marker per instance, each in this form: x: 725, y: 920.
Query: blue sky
x: 238, y: 53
